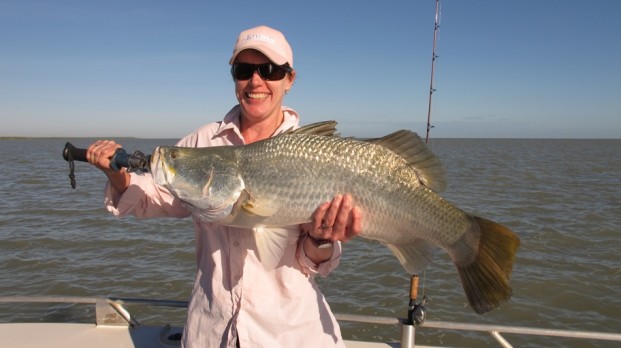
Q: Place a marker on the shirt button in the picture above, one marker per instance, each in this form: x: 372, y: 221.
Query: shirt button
x: 236, y: 244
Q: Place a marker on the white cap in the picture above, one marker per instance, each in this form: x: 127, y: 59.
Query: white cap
x: 270, y: 42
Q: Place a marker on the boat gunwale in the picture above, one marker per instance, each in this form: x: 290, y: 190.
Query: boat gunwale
x: 493, y: 330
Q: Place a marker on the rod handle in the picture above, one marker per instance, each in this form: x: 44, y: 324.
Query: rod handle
x: 414, y: 287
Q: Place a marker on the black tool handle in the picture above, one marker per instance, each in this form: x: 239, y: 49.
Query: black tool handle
x: 120, y: 159
x: 136, y: 162
x: 72, y: 152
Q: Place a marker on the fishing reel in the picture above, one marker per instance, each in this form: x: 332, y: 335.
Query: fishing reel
x: 417, y: 312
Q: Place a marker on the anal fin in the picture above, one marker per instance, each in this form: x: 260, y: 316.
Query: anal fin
x: 414, y: 257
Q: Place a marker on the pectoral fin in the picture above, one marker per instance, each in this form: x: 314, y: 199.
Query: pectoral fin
x: 272, y: 242
x: 254, y: 206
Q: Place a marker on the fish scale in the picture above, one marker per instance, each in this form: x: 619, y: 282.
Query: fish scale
x: 327, y: 169
x: 280, y: 182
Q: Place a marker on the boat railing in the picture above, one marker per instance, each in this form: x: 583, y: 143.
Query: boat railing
x: 111, y: 311
x: 495, y: 331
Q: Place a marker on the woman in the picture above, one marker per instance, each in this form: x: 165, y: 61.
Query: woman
x: 235, y: 301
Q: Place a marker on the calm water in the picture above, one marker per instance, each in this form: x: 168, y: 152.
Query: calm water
x: 562, y: 197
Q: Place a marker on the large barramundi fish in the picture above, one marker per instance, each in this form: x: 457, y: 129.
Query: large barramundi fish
x: 394, y: 180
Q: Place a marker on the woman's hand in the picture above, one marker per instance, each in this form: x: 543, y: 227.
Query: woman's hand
x: 99, y: 154
x: 338, y: 219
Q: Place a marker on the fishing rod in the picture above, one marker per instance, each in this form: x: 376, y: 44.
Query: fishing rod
x: 416, y: 310
x: 433, y: 61
x: 137, y: 162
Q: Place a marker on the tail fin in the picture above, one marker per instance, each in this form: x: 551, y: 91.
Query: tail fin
x: 486, y: 279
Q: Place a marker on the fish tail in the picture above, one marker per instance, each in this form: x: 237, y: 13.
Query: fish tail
x: 486, y: 279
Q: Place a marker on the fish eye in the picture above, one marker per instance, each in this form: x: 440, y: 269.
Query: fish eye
x: 174, y: 154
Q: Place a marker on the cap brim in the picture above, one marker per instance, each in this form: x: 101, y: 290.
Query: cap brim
x: 270, y: 54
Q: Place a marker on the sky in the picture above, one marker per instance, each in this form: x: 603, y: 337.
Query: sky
x: 159, y: 68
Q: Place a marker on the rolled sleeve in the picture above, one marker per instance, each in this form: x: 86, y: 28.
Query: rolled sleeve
x: 143, y: 199
x: 324, y: 268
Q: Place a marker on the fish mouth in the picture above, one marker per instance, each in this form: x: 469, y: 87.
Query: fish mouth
x: 160, y: 171
x: 155, y: 157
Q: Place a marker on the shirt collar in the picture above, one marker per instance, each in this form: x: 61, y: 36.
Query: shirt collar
x: 231, y: 122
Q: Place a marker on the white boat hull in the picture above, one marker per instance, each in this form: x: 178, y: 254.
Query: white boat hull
x: 71, y: 335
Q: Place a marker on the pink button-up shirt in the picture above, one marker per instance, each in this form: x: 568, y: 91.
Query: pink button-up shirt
x: 234, y: 296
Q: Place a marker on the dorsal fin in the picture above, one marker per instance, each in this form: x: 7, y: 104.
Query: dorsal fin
x: 326, y: 128
x: 413, y: 149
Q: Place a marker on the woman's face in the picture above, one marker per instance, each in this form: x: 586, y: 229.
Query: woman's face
x: 260, y: 99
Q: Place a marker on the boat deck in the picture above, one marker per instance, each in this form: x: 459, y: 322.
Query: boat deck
x: 115, y: 327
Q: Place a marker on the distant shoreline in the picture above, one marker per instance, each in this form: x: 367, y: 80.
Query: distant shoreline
x: 64, y: 138
x: 138, y: 138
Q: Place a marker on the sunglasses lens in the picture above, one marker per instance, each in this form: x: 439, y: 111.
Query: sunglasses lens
x: 242, y: 71
x: 268, y: 71
x: 272, y: 72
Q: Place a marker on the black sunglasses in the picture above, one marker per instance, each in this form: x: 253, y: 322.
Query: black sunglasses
x: 267, y: 71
